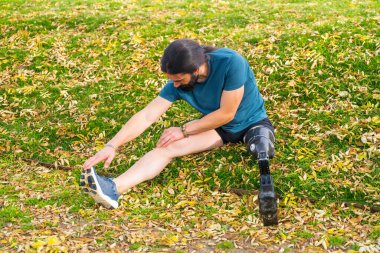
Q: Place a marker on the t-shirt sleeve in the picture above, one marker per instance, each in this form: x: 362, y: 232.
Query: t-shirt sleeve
x: 236, y: 73
x: 169, y: 92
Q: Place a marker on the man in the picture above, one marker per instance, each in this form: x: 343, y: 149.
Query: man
x: 220, y: 84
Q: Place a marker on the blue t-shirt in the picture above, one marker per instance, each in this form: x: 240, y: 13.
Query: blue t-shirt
x: 228, y: 71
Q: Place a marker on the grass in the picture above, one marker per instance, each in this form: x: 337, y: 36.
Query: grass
x: 337, y: 240
x: 225, y: 245
x: 73, y: 72
x: 13, y: 215
x: 304, y: 234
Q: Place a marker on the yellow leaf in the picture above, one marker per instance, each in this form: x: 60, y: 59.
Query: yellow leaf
x: 376, y: 120
x: 52, y: 241
x: 38, y: 244
x: 169, y: 240
x: 283, y: 236
x: 174, y: 238
x: 331, y: 231
x: 362, y: 155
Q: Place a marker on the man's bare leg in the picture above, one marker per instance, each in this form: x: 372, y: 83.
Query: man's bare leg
x: 151, y: 164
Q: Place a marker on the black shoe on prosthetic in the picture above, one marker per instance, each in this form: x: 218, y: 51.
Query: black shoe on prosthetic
x: 267, y: 198
x: 259, y: 141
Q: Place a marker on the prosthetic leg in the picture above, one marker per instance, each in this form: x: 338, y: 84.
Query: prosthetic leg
x: 259, y: 141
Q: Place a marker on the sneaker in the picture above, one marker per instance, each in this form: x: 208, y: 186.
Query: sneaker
x: 101, y: 189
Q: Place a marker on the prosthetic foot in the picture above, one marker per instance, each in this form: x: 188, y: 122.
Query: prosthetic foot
x: 267, y: 197
x: 259, y: 141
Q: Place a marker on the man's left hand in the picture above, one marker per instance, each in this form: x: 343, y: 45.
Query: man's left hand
x: 169, y: 136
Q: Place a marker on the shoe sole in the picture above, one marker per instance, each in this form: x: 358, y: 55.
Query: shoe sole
x: 90, y: 184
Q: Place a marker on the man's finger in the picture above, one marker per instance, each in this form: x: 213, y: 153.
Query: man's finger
x: 85, y: 165
x: 108, y: 161
x: 170, y: 140
x: 162, y: 141
x: 91, y: 162
x: 163, y: 137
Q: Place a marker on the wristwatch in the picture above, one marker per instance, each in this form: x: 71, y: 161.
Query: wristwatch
x: 111, y: 146
x: 183, y: 129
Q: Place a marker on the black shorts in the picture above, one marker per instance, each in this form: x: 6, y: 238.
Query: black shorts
x: 238, y: 137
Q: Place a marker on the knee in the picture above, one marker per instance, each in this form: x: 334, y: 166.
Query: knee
x: 157, y: 159
x: 166, y: 153
x: 174, y: 149
x: 260, y: 142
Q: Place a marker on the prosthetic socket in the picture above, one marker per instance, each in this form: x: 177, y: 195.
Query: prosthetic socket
x: 259, y: 141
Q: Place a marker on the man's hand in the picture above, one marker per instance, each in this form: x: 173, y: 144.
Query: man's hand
x: 170, y: 135
x: 106, y: 154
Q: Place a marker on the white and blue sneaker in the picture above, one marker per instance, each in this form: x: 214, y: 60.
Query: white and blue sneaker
x: 101, y: 189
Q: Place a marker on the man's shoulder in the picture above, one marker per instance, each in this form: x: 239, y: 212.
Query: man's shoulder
x: 224, y: 51
x: 224, y: 55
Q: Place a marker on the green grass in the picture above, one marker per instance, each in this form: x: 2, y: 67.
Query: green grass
x: 13, y: 214
x: 225, y: 245
x: 73, y: 72
x: 375, y: 234
x: 337, y: 240
x: 355, y: 247
x: 304, y: 234
x: 135, y: 246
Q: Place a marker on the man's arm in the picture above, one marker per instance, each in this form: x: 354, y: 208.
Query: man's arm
x: 133, y: 128
x: 229, y: 104
x: 141, y: 121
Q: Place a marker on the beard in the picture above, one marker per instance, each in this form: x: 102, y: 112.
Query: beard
x: 191, y: 84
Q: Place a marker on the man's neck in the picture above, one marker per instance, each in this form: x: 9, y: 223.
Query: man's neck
x: 203, y: 72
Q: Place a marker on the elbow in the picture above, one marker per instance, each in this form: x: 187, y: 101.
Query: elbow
x: 148, y: 117
x: 228, y: 117
x: 151, y: 119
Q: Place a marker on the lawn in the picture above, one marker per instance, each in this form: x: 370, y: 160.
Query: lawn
x: 73, y: 72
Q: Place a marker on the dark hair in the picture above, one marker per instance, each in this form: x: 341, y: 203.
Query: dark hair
x: 184, y: 56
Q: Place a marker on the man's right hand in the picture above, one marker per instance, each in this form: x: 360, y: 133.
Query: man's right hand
x: 106, y: 154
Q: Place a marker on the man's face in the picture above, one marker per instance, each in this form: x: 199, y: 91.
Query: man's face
x: 185, y: 82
